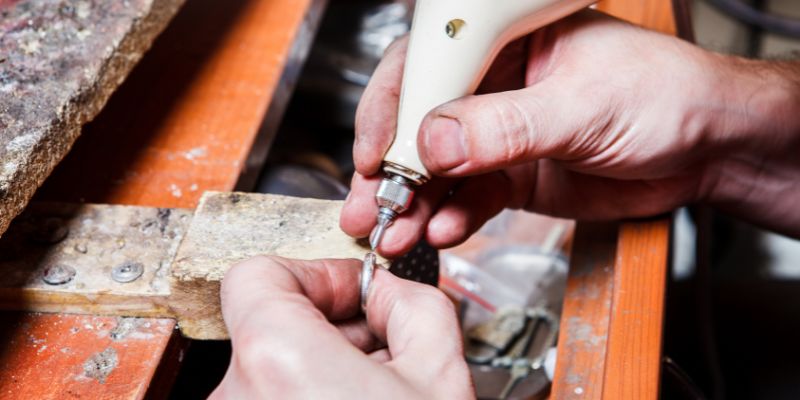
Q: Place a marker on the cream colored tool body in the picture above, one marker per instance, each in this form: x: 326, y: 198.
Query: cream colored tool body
x: 452, y: 45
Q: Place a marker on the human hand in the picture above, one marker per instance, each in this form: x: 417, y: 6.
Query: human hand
x: 589, y: 118
x: 296, y: 332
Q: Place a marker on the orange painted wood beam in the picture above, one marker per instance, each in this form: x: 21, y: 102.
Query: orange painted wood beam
x: 633, y: 355
x: 189, y: 114
x: 47, y: 356
x: 652, y: 14
x: 586, y: 313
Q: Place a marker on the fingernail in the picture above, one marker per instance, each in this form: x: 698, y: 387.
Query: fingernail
x: 445, y: 139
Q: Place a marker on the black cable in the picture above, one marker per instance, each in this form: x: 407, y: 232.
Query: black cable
x: 704, y: 309
x: 680, y: 382
x: 683, y: 19
x: 755, y: 33
x: 773, y: 23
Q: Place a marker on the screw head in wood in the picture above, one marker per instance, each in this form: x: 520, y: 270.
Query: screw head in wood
x: 58, y: 274
x: 128, y: 271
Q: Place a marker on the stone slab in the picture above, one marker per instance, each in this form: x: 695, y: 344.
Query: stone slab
x: 59, y: 63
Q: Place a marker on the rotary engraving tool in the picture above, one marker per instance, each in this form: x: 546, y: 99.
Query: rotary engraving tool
x: 452, y: 45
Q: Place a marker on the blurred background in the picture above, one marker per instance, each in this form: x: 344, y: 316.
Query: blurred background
x: 732, y: 310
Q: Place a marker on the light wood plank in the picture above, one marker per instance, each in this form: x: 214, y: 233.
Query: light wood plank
x: 231, y: 227
x: 181, y: 272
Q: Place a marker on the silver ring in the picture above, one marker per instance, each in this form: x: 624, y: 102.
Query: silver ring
x: 367, y: 272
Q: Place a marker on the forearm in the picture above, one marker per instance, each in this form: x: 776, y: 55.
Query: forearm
x: 756, y: 174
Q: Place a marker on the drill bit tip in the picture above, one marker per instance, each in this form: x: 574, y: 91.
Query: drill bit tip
x: 377, y: 234
x: 385, y: 219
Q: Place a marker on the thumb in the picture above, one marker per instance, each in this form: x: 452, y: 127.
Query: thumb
x: 477, y: 134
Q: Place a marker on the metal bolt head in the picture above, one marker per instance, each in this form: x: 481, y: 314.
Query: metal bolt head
x: 128, y: 271
x: 58, y: 274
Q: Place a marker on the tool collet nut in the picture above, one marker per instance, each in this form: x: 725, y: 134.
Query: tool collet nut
x: 394, y: 193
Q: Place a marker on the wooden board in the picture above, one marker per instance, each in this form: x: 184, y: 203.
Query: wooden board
x: 59, y: 63
x: 610, y: 341
x: 230, y: 227
x: 183, y: 257
x: 90, y: 241
x: 204, y: 70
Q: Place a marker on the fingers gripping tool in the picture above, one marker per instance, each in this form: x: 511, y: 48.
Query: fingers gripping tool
x: 452, y: 45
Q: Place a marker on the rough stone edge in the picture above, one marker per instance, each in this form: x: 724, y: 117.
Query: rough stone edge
x: 82, y: 108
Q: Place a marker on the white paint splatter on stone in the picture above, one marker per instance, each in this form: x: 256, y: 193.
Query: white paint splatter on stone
x: 20, y: 143
x: 31, y: 46
x: 83, y: 9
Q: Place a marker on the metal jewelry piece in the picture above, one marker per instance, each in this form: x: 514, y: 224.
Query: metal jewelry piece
x: 367, y: 273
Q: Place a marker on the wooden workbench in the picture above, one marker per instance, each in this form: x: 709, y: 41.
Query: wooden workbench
x: 198, y: 114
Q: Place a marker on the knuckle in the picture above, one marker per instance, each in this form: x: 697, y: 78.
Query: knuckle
x: 246, y: 267
x: 234, y: 274
x: 516, y: 123
x: 270, y: 357
x: 513, y: 125
x: 252, y: 352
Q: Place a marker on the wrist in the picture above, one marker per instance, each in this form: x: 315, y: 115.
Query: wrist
x: 753, y: 114
x: 756, y: 134
x: 757, y: 105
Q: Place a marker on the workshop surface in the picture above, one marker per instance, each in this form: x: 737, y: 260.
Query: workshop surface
x: 198, y: 114
x: 158, y: 262
x: 210, y: 79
